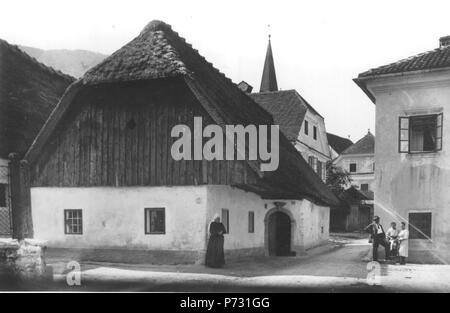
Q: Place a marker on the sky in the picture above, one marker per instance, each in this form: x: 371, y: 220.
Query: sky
x: 319, y: 46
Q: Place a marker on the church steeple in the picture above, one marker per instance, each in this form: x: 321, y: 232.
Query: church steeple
x: 269, y: 78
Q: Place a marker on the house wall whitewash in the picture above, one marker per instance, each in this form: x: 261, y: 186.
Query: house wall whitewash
x: 113, y: 220
x: 310, y: 147
x: 364, y: 169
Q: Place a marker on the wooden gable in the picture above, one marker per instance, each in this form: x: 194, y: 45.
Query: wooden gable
x: 119, y: 135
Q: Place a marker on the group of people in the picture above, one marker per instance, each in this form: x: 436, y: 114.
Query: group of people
x: 394, y: 241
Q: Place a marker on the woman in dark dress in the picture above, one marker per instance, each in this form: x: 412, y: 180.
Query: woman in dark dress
x: 214, y: 253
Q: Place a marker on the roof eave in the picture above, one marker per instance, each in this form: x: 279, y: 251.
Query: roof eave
x: 362, y: 84
x: 362, y: 80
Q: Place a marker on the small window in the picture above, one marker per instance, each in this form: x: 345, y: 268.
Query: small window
x: 352, y: 167
x: 226, y: 220
x: 73, y: 221
x: 311, y: 161
x: 315, y: 132
x: 251, y: 222
x: 155, y: 221
x: 420, y: 133
x: 3, y: 195
x: 319, y: 169
x: 419, y: 225
x: 365, y: 187
x: 306, y: 128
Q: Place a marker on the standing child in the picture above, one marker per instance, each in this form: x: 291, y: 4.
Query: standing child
x: 403, y: 237
x: 391, y: 236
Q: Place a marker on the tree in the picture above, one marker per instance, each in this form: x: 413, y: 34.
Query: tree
x: 337, y: 178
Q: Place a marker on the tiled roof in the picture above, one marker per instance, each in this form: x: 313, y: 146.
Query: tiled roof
x: 29, y: 91
x: 338, y: 143
x: 287, y: 108
x: 365, y: 145
x: 434, y: 59
x: 160, y: 53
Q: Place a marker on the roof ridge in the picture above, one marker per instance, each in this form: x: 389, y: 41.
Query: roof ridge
x: 275, y: 91
x: 368, y: 135
x: 34, y: 61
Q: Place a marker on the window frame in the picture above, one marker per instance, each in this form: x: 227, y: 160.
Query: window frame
x: 314, y: 132
x: 251, y: 222
x: 306, y: 128
x: 147, y: 214
x: 66, y: 220
x: 319, y: 168
x: 227, y: 222
x: 438, y: 133
x: 350, y: 168
x: 361, y: 187
x: 4, y: 195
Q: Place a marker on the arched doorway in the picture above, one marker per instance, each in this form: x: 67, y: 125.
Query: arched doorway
x: 279, y: 234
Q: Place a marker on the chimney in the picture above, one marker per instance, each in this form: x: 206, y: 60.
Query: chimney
x: 245, y: 87
x: 444, y: 42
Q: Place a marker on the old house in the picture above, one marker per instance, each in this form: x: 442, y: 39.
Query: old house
x: 412, y: 180
x: 358, y: 161
x: 337, y: 144
x: 104, y: 183
x: 28, y: 93
x: 356, y: 209
x: 298, y: 120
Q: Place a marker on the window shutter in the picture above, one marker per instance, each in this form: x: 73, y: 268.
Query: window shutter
x: 403, y: 134
x: 439, y: 122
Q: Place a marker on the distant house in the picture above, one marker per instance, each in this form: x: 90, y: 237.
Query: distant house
x: 412, y: 180
x: 102, y: 175
x: 355, y: 211
x: 358, y: 161
x: 29, y: 91
x: 298, y: 120
x: 337, y: 144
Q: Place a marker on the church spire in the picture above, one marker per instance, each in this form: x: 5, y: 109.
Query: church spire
x: 269, y: 78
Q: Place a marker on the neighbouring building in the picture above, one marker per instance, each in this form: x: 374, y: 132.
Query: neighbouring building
x: 299, y: 121
x: 412, y: 157
x: 337, y: 144
x: 104, y: 184
x: 356, y: 209
x: 29, y: 91
x: 358, y: 161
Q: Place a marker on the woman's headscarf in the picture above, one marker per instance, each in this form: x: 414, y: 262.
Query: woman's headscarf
x: 216, y: 216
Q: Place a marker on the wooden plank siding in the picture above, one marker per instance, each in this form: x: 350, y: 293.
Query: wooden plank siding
x: 119, y: 135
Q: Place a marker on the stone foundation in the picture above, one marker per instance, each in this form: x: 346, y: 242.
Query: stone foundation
x: 128, y: 256
x: 24, y: 259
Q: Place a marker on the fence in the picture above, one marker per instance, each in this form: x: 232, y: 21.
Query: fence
x: 5, y: 207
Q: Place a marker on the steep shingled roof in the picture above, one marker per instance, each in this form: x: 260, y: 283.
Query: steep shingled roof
x: 338, y: 143
x: 287, y: 108
x: 366, y: 145
x: 160, y: 53
x: 29, y: 91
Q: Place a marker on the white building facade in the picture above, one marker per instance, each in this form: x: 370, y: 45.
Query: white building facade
x: 412, y: 174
